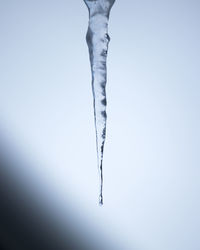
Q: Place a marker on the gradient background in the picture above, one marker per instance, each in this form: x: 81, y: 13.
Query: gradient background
x: 49, y: 179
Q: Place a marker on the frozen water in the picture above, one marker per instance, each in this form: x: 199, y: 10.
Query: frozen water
x: 98, y: 39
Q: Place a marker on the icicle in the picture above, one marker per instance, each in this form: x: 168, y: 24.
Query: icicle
x: 98, y: 40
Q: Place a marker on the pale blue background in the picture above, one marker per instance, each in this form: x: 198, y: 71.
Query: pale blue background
x: 152, y: 158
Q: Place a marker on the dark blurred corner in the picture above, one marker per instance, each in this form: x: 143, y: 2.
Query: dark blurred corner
x: 24, y: 225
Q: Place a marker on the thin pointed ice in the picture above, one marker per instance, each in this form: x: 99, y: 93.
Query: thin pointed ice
x: 98, y: 40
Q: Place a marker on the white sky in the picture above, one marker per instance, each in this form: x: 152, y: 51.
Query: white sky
x: 151, y: 164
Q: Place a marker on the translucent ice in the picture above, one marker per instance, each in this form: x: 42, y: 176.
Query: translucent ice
x: 98, y: 40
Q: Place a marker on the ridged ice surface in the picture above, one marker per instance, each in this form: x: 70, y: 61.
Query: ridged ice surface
x: 98, y: 40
